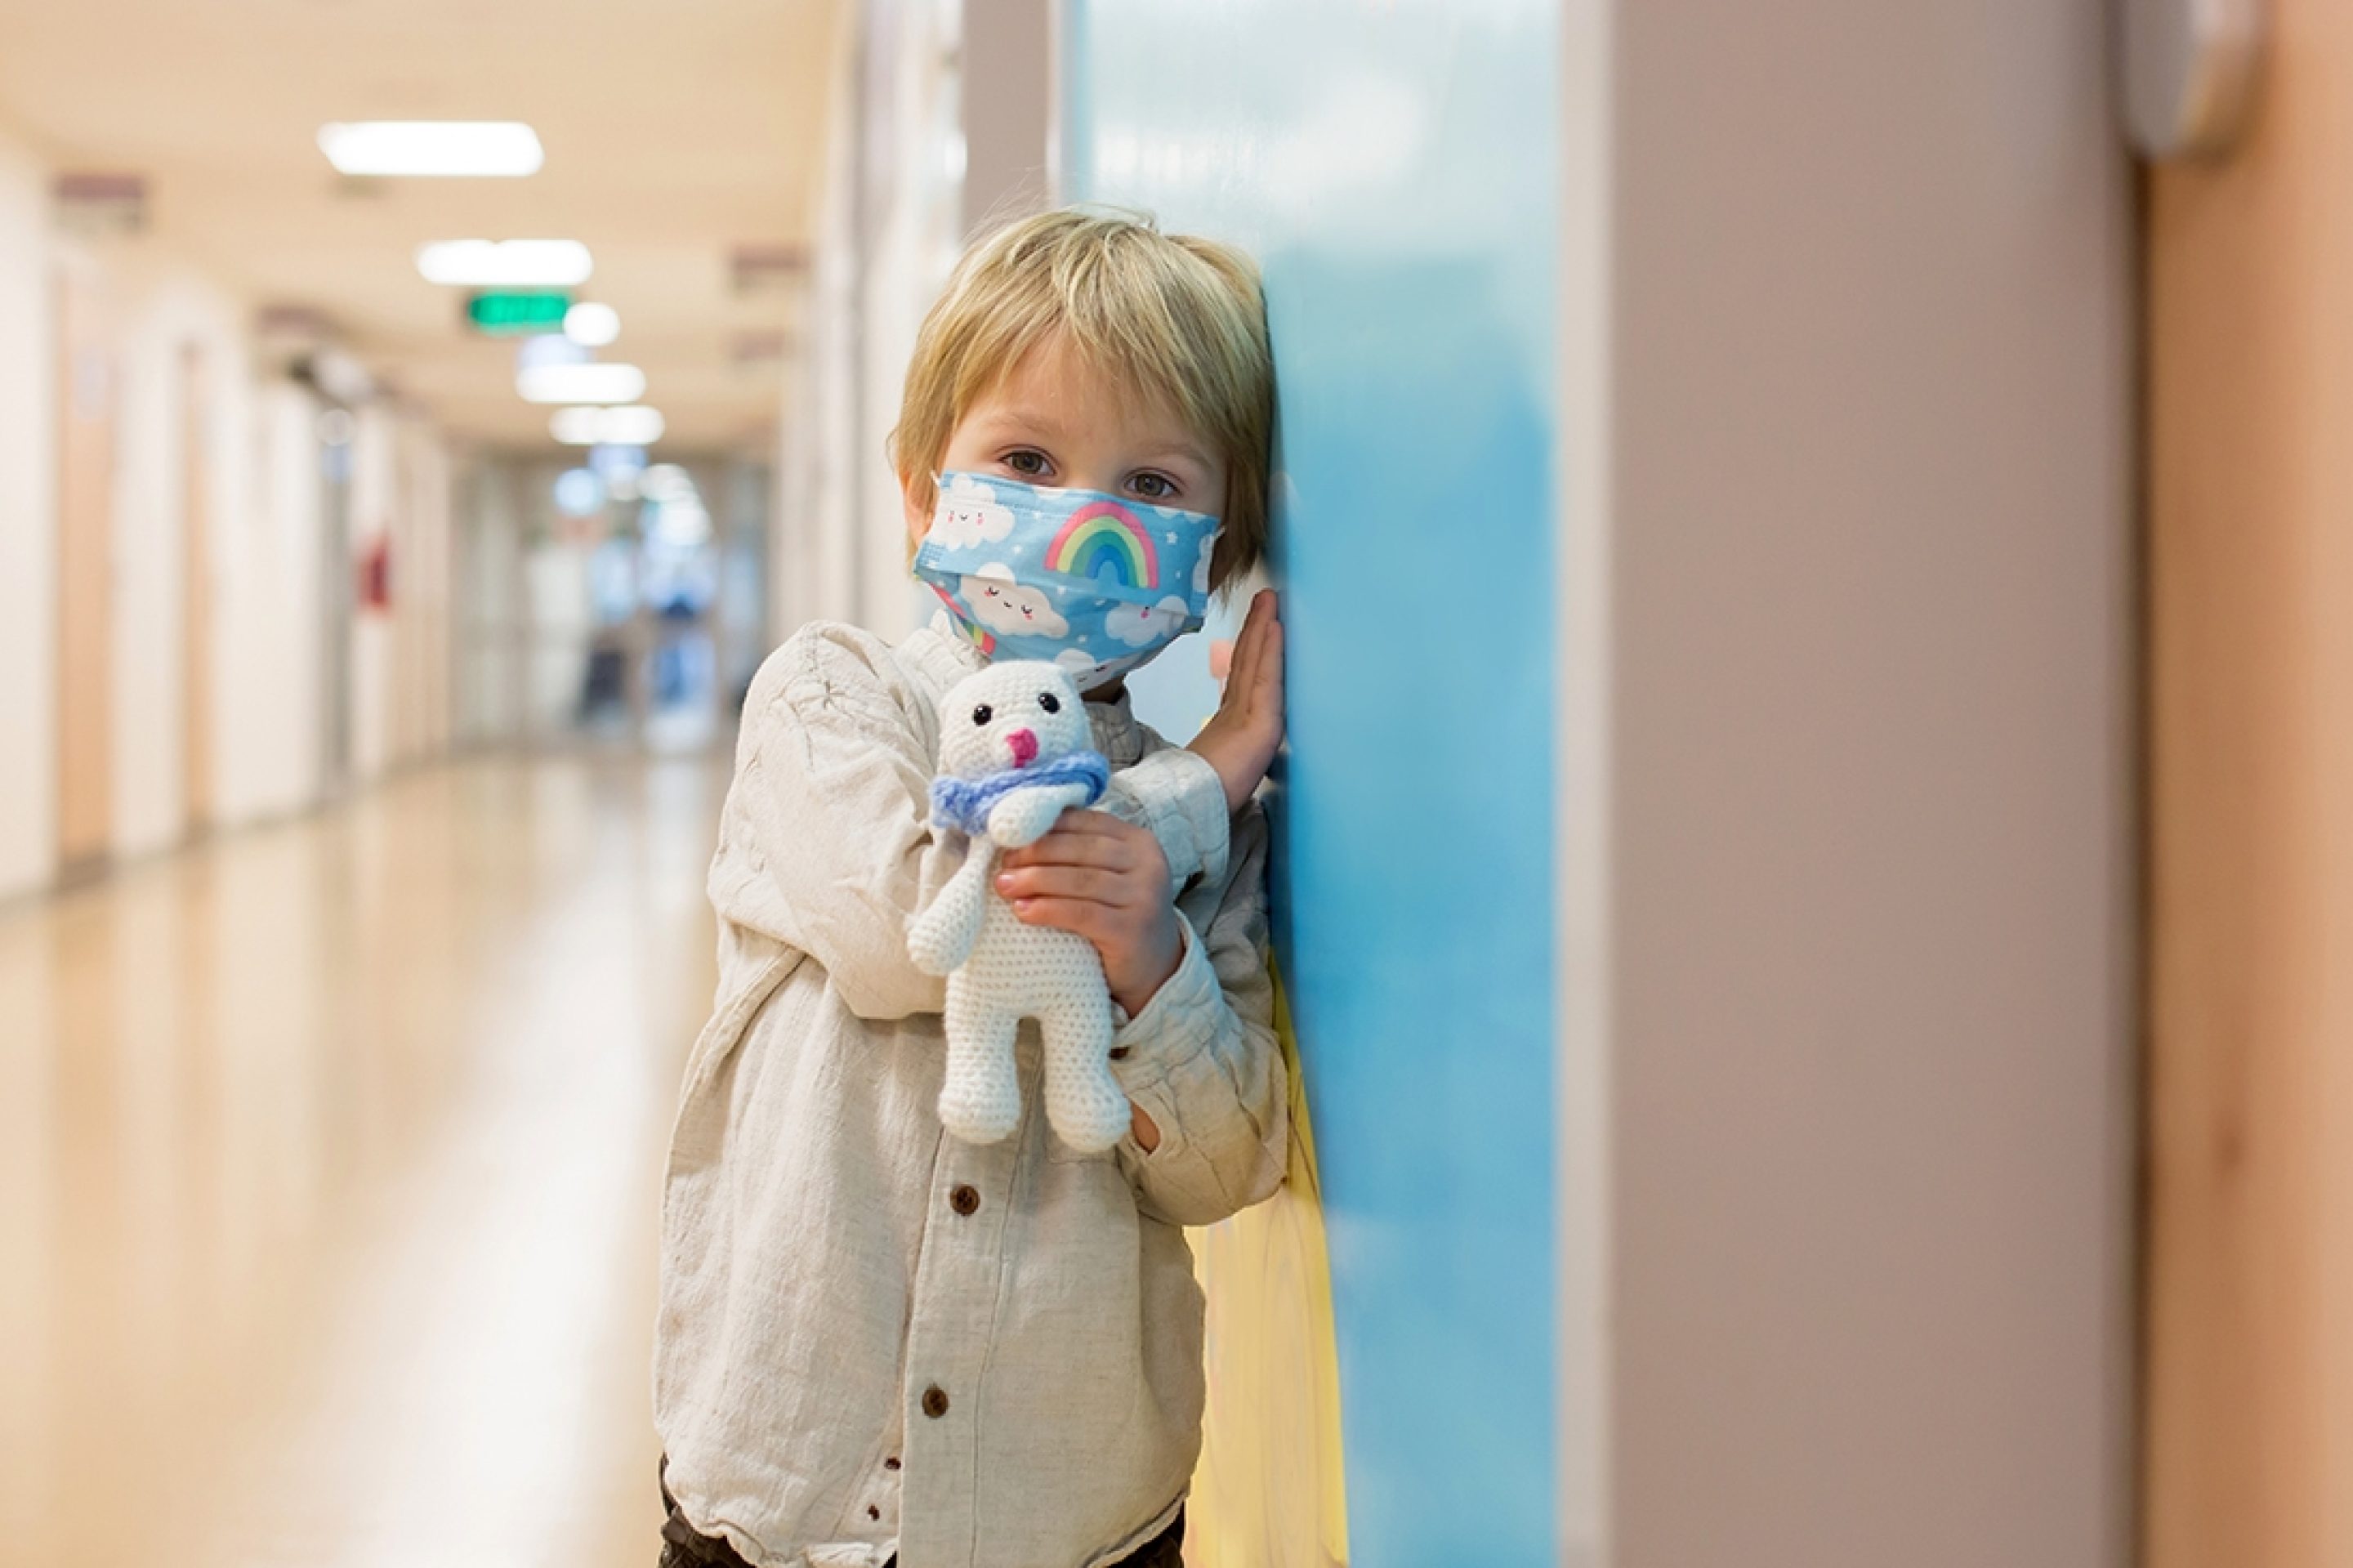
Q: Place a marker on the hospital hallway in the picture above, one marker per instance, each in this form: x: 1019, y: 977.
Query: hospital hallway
x: 330, y: 1163
x: 1750, y: 965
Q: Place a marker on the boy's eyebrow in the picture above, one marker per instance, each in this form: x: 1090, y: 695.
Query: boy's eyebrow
x: 1184, y: 449
x: 1038, y: 421
x: 1025, y: 418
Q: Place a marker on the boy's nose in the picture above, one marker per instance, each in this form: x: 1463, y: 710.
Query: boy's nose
x: 1024, y: 746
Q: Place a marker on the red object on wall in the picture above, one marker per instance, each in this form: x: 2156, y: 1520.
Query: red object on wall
x: 375, y: 575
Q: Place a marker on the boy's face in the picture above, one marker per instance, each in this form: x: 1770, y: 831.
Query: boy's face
x: 1055, y: 421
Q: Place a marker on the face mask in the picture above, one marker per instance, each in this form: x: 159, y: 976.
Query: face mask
x: 1096, y: 583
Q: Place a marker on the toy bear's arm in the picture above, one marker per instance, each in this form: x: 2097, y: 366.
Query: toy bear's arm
x: 941, y: 938
x: 1025, y: 816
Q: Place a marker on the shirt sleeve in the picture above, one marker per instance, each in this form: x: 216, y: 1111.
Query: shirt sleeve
x: 1179, y: 798
x: 825, y: 844
x: 1202, y: 1061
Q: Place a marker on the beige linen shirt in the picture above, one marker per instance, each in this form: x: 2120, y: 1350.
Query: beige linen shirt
x: 874, y: 1337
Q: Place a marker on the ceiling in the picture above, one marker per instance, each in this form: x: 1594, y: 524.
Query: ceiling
x: 676, y: 132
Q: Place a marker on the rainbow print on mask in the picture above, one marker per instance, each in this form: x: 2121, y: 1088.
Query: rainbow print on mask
x: 1103, y: 539
x: 971, y: 627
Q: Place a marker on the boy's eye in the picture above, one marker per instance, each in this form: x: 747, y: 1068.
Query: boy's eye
x: 1049, y: 702
x: 982, y: 714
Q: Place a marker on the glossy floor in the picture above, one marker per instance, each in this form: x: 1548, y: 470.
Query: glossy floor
x: 330, y: 1161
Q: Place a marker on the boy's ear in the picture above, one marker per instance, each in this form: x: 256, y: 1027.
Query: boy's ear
x: 917, y: 506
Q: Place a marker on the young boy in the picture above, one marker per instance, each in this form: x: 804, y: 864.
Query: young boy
x: 878, y: 1343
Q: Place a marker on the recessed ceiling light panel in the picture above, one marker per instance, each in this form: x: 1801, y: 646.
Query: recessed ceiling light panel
x: 591, y: 324
x: 432, y: 148
x: 635, y: 426
x: 581, y: 384
x: 506, y: 263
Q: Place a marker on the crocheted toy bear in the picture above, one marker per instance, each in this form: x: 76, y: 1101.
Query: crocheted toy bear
x: 1015, y: 754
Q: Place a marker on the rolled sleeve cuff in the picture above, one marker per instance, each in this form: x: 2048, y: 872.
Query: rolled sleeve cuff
x: 1183, y: 802
x: 1176, y: 1025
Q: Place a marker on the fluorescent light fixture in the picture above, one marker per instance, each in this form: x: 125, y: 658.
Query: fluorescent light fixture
x: 635, y: 426
x: 506, y: 263
x: 577, y: 426
x: 457, y: 148
x: 592, y: 325
x: 581, y: 384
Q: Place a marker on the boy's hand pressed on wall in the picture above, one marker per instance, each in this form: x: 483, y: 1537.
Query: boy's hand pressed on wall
x: 1108, y: 881
x: 1241, y: 739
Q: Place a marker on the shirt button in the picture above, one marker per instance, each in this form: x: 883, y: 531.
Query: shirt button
x: 936, y: 1401
x: 892, y: 1463
x: 964, y: 1200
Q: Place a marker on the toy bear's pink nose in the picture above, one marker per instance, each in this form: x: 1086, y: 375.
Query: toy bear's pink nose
x: 1024, y: 746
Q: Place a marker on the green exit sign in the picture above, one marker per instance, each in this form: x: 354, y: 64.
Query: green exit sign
x: 510, y: 314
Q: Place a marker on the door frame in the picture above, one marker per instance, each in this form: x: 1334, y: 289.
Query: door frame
x: 196, y: 709
x: 89, y: 379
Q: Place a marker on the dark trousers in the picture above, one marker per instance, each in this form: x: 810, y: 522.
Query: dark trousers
x: 684, y: 1547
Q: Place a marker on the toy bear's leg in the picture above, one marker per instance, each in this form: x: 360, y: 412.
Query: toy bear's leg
x: 981, y: 1101
x: 1084, y: 1102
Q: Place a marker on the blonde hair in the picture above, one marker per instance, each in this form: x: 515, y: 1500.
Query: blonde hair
x: 1175, y: 317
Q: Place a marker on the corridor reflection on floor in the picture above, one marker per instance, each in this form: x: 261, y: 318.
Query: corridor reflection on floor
x: 330, y: 1160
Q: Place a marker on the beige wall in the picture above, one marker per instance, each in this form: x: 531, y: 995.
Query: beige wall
x: 816, y: 522
x: 1853, y: 702
x: 27, y: 530
x: 912, y: 235
x: 892, y: 221
x: 278, y: 584
x: 167, y: 308
x: 374, y: 446
x: 263, y: 571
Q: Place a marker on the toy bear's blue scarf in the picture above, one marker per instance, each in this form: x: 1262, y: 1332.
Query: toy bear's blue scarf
x: 964, y: 803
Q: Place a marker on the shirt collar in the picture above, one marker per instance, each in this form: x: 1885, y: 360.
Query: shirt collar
x: 944, y: 656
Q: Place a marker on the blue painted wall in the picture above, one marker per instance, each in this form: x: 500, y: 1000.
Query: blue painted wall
x: 1391, y: 164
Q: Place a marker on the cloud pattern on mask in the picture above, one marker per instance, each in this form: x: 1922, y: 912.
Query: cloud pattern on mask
x: 1010, y: 608
x: 968, y: 515
x: 1140, y: 625
x: 1097, y: 584
x: 1088, y: 673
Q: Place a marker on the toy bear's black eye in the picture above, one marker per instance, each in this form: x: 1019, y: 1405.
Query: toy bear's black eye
x: 1049, y: 702
x: 982, y: 714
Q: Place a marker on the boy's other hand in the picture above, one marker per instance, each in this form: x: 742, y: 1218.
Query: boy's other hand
x: 1240, y: 740
x: 1108, y: 881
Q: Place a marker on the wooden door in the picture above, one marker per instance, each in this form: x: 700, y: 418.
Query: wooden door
x: 2249, y: 1455
x: 85, y: 402
x: 196, y: 588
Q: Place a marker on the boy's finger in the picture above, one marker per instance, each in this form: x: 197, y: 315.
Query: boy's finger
x: 1247, y: 645
x: 1073, y: 848
x: 1268, y: 633
x: 1071, y: 915
x: 1100, y: 824
x: 1269, y: 671
x: 1082, y: 882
